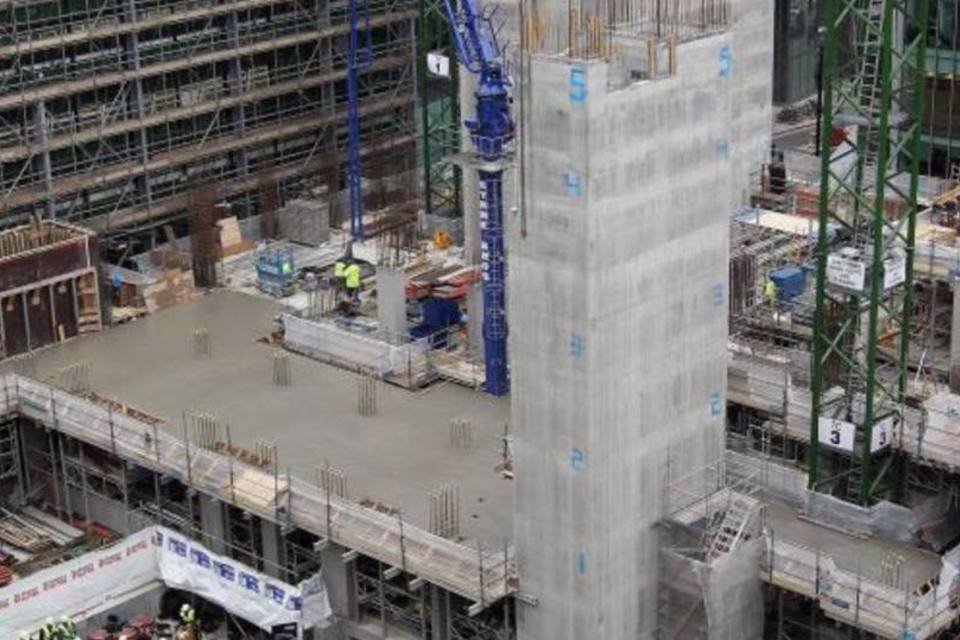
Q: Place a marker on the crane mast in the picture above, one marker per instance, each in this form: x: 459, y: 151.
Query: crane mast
x: 870, y: 154
x: 490, y: 130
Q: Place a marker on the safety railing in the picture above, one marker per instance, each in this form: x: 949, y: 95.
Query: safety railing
x: 481, y: 575
x: 914, y: 611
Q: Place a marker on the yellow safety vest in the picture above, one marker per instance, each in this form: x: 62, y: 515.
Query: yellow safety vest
x: 771, y: 290
x: 352, y: 274
x: 339, y: 269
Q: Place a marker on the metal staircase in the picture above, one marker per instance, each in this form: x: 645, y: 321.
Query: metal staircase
x: 730, y: 528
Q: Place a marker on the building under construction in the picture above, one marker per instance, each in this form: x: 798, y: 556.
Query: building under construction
x: 112, y: 112
x: 463, y: 320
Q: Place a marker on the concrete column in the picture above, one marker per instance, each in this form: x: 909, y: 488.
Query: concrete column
x: 439, y: 613
x: 42, y: 161
x: 271, y: 548
x: 475, y: 318
x: 955, y: 339
x: 391, y: 301
x: 341, y: 582
x: 212, y: 523
x: 471, y: 214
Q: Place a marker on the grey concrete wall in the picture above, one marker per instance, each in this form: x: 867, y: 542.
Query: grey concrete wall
x: 751, y: 75
x: 618, y: 311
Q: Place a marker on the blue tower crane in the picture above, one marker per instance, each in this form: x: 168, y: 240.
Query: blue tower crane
x: 490, y: 130
x: 359, y: 56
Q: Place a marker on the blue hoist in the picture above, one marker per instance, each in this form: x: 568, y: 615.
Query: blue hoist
x: 491, y: 130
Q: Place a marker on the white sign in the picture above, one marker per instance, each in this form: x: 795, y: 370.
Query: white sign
x: 882, y: 434
x: 846, y: 273
x: 188, y: 565
x: 79, y: 586
x: 438, y: 64
x: 316, y: 603
x: 894, y: 271
x: 835, y: 433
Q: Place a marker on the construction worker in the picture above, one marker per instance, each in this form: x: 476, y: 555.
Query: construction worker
x: 188, y: 615
x: 352, y: 281
x: 770, y: 292
x: 67, y: 630
x: 340, y: 274
x: 340, y: 268
x: 48, y: 630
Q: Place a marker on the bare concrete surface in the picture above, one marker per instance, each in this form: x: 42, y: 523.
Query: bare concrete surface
x: 852, y: 553
x: 396, y: 456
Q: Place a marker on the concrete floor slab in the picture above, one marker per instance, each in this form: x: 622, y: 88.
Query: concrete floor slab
x: 396, y: 457
x: 852, y: 553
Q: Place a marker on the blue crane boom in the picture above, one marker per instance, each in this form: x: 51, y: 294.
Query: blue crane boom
x: 490, y: 130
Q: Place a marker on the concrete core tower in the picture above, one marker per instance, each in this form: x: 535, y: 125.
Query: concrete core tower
x: 618, y: 312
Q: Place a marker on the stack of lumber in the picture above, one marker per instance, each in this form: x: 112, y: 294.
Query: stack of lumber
x: 172, y: 288
x: 231, y: 240
x: 29, y: 536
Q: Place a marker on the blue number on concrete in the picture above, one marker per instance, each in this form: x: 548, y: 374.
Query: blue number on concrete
x: 571, y: 180
x: 581, y: 563
x: 726, y: 60
x: 723, y: 148
x: 577, y: 345
x: 718, y: 294
x: 578, y: 459
x: 578, y: 84
x: 715, y: 404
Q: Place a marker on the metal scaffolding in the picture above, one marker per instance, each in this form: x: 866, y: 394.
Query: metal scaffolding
x: 111, y: 111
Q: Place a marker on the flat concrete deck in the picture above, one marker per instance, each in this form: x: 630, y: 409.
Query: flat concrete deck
x: 396, y: 457
x: 851, y: 553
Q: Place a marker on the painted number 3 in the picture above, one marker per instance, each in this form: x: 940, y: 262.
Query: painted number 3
x: 835, y: 435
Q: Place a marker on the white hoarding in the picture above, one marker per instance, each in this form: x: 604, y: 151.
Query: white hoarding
x: 316, y: 603
x: 260, y: 599
x: 79, y: 586
x: 835, y: 433
x: 158, y: 556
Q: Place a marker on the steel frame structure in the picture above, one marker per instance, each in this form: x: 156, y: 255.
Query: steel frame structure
x: 185, y: 92
x: 876, y: 87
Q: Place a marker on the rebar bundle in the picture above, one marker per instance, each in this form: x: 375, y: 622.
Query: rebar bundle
x: 445, y: 511
x: 281, y: 369
x: 333, y: 481
x: 367, y: 395
x: 461, y: 433
x: 201, y: 343
x: 205, y: 237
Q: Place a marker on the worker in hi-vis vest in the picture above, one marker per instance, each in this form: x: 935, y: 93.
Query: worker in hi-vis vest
x: 770, y: 292
x: 352, y: 280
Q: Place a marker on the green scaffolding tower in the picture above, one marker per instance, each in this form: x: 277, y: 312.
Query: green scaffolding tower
x: 440, y: 111
x: 874, y: 52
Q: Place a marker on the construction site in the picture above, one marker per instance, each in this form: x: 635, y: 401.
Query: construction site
x: 468, y: 320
